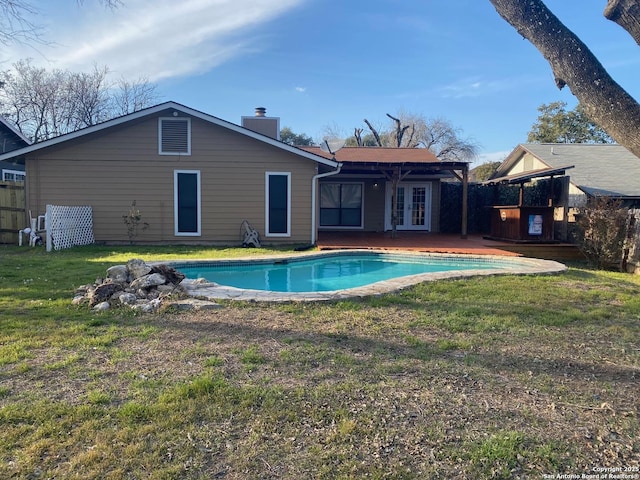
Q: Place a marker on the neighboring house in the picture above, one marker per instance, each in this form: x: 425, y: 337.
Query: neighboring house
x: 11, y: 139
x: 195, y: 178
x: 598, y: 169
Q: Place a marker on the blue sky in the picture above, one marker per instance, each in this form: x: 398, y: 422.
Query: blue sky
x: 322, y: 64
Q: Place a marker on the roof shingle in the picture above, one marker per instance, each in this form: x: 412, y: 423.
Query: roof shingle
x: 378, y: 155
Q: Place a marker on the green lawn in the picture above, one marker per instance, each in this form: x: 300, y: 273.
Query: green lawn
x: 493, y: 377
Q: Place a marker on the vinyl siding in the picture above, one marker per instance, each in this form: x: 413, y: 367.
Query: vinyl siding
x: 111, y: 169
x: 526, y: 163
x: 374, y: 198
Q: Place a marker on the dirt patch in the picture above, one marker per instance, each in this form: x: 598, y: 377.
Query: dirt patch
x: 372, y: 386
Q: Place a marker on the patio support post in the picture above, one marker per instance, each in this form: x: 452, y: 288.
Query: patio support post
x: 521, y: 197
x: 394, y: 202
x: 465, y: 195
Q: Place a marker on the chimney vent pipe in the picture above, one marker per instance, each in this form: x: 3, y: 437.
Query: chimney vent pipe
x: 261, y: 111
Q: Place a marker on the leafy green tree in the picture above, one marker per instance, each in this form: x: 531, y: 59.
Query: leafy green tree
x: 556, y: 124
x: 300, y: 140
x: 484, y: 171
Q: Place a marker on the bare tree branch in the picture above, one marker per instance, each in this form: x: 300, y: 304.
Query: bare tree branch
x: 410, y: 143
x: 414, y: 131
x: 357, y: 134
x: 107, y: 3
x: 625, y: 13
x: 604, y: 101
x: 131, y: 96
x: 374, y: 132
x: 44, y: 104
x: 399, y: 130
x: 15, y: 26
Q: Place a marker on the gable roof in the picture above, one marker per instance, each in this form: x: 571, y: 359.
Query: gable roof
x: 161, y: 108
x: 386, y: 155
x: 599, y: 169
x: 527, y: 176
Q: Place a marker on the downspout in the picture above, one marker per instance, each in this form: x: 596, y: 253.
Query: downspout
x: 314, y: 188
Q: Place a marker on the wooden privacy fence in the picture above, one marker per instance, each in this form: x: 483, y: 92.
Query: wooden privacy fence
x: 12, y: 211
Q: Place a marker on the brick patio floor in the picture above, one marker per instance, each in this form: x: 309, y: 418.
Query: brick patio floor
x: 416, y: 241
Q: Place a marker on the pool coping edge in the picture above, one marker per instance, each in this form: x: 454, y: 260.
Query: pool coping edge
x: 200, y: 288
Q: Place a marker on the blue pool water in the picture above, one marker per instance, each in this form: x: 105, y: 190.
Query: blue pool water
x: 328, y: 272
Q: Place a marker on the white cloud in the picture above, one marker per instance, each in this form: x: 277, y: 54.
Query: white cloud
x: 151, y: 38
x: 474, y: 87
x: 301, y: 89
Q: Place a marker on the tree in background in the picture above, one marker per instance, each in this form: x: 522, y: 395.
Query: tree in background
x: 484, y: 171
x: 573, y: 64
x: 557, y: 125
x: 408, y: 130
x: 287, y: 136
x: 44, y: 104
x: 16, y: 25
x: 358, y: 140
x: 132, y: 95
x: 446, y: 141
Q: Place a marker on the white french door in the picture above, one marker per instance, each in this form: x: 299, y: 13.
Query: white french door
x: 413, y: 206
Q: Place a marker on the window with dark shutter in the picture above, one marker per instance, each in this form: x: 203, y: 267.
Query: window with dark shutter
x: 278, y: 204
x: 175, y: 136
x: 187, y: 207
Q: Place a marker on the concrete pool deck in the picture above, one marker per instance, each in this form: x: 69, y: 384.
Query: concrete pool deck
x: 200, y: 288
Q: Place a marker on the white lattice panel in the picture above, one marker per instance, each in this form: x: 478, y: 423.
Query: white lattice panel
x: 69, y: 226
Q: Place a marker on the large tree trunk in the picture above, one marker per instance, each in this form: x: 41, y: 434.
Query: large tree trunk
x: 605, y: 102
x: 625, y: 13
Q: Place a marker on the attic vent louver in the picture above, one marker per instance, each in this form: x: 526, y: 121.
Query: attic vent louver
x: 175, y: 136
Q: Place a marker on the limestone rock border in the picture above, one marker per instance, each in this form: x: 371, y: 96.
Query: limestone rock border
x: 136, y: 285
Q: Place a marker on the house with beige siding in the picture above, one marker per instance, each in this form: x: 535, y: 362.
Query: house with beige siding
x: 196, y: 178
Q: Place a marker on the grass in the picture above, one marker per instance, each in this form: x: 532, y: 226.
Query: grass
x: 493, y: 377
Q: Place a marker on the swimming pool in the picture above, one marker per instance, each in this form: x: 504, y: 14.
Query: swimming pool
x: 330, y: 275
